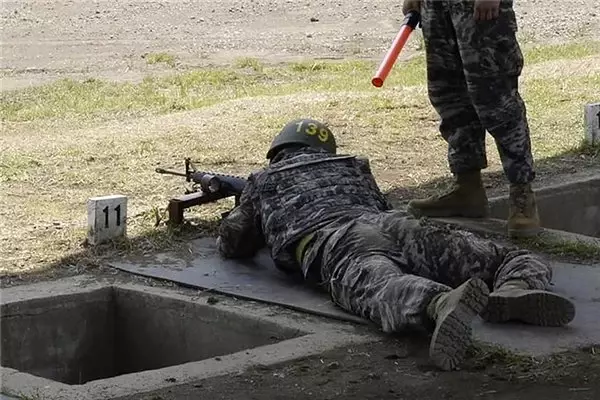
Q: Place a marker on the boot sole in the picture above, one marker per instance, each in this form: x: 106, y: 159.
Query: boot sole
x: 452, y: 335
x: 535, y: 307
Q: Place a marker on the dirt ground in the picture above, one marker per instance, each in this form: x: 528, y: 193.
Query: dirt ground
x: 388, y: 370
x: 43, y: 40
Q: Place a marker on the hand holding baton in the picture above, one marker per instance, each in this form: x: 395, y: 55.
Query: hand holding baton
x: 411, y: 20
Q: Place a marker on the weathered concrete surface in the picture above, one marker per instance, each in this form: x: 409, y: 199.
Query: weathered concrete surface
x: 208, y: 271
x: 581, y: 284
x: 497, y: 227
x: 572, y: 207
x: 145, y: 327
x: 107, y: 332
x: 79, y: 348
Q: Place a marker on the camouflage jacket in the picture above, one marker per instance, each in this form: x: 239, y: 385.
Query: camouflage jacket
x: 298, y: 193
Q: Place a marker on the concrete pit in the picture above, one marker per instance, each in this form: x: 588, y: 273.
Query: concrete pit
x: 107, y: 341
x: 113, y: 331
x: 571, y: 207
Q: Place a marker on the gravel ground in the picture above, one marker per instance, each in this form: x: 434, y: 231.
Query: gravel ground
x: 43, y: 40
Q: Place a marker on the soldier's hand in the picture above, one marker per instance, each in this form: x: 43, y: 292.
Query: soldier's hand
x: 486, y: 10
x: 411, y: 5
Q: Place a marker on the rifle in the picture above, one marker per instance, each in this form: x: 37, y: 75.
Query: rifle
x: 207, y: 187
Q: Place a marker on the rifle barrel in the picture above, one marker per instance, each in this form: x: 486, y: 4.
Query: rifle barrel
x: 166, y: 171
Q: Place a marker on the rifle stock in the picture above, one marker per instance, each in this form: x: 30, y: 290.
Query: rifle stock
x: 207, y: 187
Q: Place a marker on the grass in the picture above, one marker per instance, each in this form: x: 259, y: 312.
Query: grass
x: 563, y: 51
x: 67, y: 141
x: 503, y: 364
x: 575, y: 249
x: 157, y: 58
x: 97, y: 99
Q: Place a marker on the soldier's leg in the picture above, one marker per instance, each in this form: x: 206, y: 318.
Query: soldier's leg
x: 519, y: 278
x: 364, y: 280
x: 521, y: 293
x: 460, y: 125
x: 493, y: 62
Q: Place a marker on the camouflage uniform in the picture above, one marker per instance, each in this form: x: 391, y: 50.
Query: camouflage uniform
x: 377, y: 263
x: 473, y: 69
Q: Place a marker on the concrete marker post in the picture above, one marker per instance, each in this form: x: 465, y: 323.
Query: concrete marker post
x: 107, y: 218
x: 592, y: 123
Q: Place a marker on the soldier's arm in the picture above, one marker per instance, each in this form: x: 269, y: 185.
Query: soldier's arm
x: 240, y: 236
x: 365, y: 168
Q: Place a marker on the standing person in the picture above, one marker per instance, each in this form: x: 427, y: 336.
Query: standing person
x: 323, y: 215
x: 473, y: 66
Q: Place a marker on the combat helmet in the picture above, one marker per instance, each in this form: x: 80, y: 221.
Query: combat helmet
x: 306, y: 131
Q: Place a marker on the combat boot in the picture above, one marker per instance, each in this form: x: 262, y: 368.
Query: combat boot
x: 466, y: 198
x: 514, y: 301
x: 523, y: 218
x: 453, y: 313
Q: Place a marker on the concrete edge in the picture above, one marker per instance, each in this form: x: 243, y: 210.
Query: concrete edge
x: 320, y: 334
x: 551, y: 190
x: 287, y: 350
x: 498, y: 227
x: 147, y: 381
x: 39, y: 290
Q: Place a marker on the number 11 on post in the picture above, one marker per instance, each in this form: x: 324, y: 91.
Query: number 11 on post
x: 107, y: 218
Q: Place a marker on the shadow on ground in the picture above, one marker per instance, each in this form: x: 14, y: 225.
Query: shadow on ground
x: 581, y: 161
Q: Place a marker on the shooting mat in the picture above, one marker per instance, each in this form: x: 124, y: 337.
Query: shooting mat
x: 259, y: 280
x: 255, y: 279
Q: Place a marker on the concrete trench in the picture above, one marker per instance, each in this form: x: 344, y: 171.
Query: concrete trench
x: 571, y: 207
x: 62, y: 340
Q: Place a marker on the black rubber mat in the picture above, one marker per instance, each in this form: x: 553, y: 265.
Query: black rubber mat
x: 255, y: 279
x: 259, y: 280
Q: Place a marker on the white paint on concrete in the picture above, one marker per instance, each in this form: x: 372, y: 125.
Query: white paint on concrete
x: 107, y: 218
x: 592, y: 123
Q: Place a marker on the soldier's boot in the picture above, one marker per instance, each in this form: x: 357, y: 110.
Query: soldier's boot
x: 453, y: 313
x: 466, y: 198
x: 514, y: 301
x: 523, y: 218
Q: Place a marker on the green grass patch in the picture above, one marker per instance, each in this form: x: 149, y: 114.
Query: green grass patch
x: 555, y: 112
x: 567, y: 248
x: 158, y: 58
x: 502, y: 364
x: 250, y: 62
x: 95, y: 98
x: 15, y: 167
x: 564, y: 51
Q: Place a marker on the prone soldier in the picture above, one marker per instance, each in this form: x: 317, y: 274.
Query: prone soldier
x: 323, y: 214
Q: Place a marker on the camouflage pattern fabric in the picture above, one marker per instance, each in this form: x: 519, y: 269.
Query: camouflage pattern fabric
x: 377, y: 263
x: 300, y: 192
x: 473, y: 69
x: 386, y: 267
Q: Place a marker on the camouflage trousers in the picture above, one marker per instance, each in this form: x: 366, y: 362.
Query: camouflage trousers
x: 473, y: 69
x: 386, y: 267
